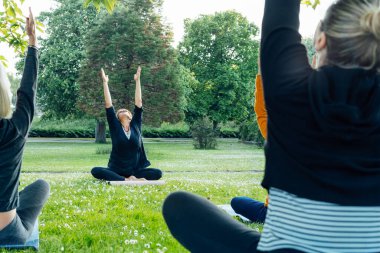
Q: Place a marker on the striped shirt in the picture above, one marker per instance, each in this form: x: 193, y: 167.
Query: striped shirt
x: 315, y: 226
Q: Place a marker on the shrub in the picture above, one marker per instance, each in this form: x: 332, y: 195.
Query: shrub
x: 249, y: 131
x: 204, y: 135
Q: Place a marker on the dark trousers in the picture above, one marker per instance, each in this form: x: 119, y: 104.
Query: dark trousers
x: 109, y: 174
x: 201, y: 226
x: 249, y: 208
x: 31, y: 200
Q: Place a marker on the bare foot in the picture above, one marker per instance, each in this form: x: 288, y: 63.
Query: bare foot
x: 131, y: 178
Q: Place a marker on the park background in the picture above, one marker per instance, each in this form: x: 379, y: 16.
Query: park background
x: 199, y: 61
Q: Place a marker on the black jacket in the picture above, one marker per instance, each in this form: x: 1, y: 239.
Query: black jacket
x: 323, y: 125
x: 13, y: 134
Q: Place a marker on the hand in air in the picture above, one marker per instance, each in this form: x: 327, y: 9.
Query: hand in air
x: 103, y: 76
x: 137, y: 75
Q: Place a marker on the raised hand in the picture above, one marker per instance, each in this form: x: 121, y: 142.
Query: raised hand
x: 137, y: 75
x: 31, y: 29
x: 103, y: 76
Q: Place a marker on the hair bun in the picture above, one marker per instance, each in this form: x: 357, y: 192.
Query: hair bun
x: 370, y: 22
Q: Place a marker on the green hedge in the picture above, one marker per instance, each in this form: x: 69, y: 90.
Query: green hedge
x: 147, y: 133
x: 85, y: 128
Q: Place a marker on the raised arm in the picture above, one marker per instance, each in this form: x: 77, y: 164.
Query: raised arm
x: 284, y: 62
x: 23, y: 115
x: 107, y: 94
x: 138, y: 98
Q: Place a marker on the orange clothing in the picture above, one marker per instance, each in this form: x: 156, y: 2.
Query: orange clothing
x: 261, y: 113
x: 260, y: 109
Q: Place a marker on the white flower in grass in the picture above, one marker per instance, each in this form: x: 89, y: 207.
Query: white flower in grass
x: 62, y: 248
x: 158, y: 245
x: 147, y: 245
x: 136, y: 233
x: 121, y: 233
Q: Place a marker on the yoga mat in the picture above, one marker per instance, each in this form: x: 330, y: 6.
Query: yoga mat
x: 228, y: 209
x: 136, y: 182
x: 33, y: 241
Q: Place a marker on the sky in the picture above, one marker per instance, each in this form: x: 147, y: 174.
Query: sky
x: 176, y: 11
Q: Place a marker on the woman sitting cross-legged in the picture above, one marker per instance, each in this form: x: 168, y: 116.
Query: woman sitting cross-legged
x: 128, y: 160
x: 19, y: 210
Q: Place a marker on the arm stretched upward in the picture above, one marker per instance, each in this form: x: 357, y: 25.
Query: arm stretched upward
x: 138, y: 99
x: 107, y: 94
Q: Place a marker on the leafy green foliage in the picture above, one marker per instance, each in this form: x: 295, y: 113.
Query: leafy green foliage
x: 120, y: 43
x: 204, y: 134
x: 309, y: 44
x: 62, y: 54
x: 108, y: 4
x: 221, y: 52
x: 12, y: 24
x: 249, y: 131
x: 311, y: 3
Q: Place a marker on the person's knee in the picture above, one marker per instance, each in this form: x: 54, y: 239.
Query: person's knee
x: 173, y: 203
x: 159, y: 174
x: 96, y: 171
x: 236, y: 203
x: 43, y: 186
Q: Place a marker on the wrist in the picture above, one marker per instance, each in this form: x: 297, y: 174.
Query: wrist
x: 32, y: 42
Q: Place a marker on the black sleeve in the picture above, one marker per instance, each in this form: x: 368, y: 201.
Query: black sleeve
x: 284, y: 62
x: 137, y: 117
x: 24, y: 112
x: 112, y: 119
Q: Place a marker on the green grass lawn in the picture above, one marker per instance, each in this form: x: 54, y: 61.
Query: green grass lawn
x: 86, y: 215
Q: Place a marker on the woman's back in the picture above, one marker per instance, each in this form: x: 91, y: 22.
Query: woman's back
x: 324, y: 125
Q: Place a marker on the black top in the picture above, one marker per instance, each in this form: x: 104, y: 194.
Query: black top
x: 127, y: 155
x: 323, y: 126
x: 13, y: 134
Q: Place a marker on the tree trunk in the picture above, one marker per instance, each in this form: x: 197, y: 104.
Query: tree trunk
x: 214, y: 125
x: 100, y: 132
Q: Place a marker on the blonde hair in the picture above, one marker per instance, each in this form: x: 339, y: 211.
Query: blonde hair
x: 352, y: 29
x: 122, y: 110
x: 5, y: 95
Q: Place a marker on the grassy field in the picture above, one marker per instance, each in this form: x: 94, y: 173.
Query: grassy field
x: 86, y: 215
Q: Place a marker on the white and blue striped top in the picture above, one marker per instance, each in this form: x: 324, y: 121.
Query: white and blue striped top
x: 315, y: 226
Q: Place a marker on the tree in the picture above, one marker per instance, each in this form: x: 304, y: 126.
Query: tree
x: 62, y: 54
x: 309, y: 44
x: 221, y: 51
x: 119, y: 43
x: 12, y: 21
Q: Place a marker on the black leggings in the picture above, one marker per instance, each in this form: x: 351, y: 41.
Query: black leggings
x: 31, y: 200
x: 200, y: 226
x: 111, y: 175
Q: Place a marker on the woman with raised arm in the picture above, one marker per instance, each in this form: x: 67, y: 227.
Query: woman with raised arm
x: 128, y: 160
x: 19, y: 210
x: 322, y: 154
